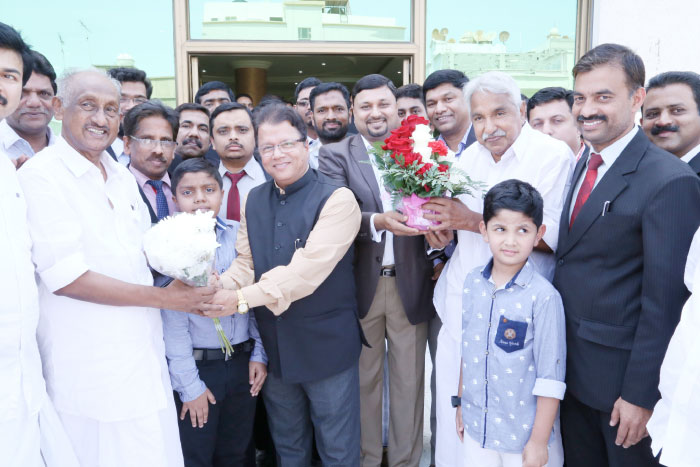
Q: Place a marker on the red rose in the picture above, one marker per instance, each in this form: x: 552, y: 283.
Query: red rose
x: 438, y: 147
x: 443, y: 168
x: 415, y: 120
x: 424, y: 169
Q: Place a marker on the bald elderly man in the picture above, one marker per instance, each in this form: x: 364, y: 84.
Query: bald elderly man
x: 100, y: 331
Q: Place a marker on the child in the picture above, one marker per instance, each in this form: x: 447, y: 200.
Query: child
x: 513, y: 342
x: 220, y: 393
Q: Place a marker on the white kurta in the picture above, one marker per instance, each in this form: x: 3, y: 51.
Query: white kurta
x: 673, y: 426
x: 29, y: 428
x: 101, y: 363
x: 545, y: 163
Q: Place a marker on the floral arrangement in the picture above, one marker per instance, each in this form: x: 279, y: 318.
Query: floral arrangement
x: 415, y: 167
x: 183, y: 247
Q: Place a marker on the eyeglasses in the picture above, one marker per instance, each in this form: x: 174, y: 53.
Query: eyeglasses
x: 167, y: 145
x: 135, y: 100
x: 304, y: 103
x: 285, y: 147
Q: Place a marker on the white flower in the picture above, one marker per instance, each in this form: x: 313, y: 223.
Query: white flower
x: 421, y: 137
x: 450, y: 157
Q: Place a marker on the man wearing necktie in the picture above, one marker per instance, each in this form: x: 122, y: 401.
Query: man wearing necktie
x: 233, y: 138
x: 149, y: 139
x: 631, y: 213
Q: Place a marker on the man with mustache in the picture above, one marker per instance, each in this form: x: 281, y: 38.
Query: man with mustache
x: 506, y: 148
x: 631, y: 213
x: 394, y: 290
x: 549, y: 111
x: 193, y: 137
x: 27, y: 131
x: 330, y: 104
x: 671, y: 115
x: 233, y: 138
x: 149, y: 140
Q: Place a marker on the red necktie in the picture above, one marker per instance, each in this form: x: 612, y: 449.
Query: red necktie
x: 587, y: 186
x: 233, y: 203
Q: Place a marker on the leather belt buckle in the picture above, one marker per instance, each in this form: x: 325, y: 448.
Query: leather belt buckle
x: 387, y: 272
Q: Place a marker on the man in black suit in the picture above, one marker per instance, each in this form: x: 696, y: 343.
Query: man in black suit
x: 632, y: 210
x: 447, y: 108
x: 394, y: 290
x: 671, y: 115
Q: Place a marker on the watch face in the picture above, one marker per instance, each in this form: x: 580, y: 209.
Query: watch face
x: 243, y: 309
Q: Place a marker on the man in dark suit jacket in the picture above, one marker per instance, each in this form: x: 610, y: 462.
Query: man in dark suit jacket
x: 671, y: 115
x: 394, y: 290
x: 632, y: 211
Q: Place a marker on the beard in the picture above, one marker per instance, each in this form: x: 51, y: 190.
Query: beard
x: 332, y: 136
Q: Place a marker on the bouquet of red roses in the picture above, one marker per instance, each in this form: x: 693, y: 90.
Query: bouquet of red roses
x: 415, y: 167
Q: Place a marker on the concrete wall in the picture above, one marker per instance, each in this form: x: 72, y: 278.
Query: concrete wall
x: 666, y: 34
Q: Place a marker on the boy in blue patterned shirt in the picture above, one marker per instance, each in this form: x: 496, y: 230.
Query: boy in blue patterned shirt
x: 513, y: 342
x: 219, y: 392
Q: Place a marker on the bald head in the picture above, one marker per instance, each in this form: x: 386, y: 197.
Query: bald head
x: 87, y: 103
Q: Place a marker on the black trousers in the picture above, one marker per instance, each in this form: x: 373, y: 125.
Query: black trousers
x: 227, y: 438
x: 589, y: 440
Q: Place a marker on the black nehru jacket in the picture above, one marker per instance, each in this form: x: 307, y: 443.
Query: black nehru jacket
x: 317, y: 336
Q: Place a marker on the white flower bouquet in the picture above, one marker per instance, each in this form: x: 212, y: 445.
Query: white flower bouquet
x: 183, y: 247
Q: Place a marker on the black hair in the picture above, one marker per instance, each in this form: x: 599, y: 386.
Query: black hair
x: 149, y: 109
x: 130, y: 74
x: 328, y: 87
x: 689, y: 78
x: 42, y: 66
x: 414, y: 91
x: 373, y: 81
x: 514, y: 195
x: 193, y: 165
x: 279, y: 113
x: 547, y: 95
x: 213, y: 86
x: 12, y: 40
x: 190, y: 106
x: 227, y: 107
x: 242, y: 94
x: 305, y: 83
x: 455, y: 77
x: 614, y: 54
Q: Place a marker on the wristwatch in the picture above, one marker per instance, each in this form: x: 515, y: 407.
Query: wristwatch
x: 456, y: 401
x: 242, y: 303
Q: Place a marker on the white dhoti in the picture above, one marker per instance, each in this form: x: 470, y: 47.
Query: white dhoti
x: 448, y: 447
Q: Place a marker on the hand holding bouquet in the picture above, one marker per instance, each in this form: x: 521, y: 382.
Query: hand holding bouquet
x: 184, y: 247
x: 415, y: 167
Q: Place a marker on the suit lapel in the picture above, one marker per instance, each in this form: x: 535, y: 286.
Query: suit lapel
x: 609, y: 187
x: 471, y: 136
x: 360, y: 156
x: 566, y: 208
x: 695, y: 164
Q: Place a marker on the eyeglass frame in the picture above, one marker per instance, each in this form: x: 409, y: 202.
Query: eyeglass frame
x: 134, y: 100
x: 270, y: 150
x: 167, y: 145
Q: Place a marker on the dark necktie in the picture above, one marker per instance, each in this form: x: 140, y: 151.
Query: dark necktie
x: 233, y: 203
x: 161, y: 201
x: 587, y: 186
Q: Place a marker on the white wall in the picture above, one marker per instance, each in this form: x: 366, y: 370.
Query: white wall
x: 665, y: 33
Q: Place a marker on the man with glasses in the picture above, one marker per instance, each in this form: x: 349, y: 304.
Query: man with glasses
x: 294, y: 268
x: 303, y: 108
x: 150, y: 130
x: 233, y: 137
x: 136, y: 89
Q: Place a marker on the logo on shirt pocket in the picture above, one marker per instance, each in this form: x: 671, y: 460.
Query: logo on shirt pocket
x: 510, y: 335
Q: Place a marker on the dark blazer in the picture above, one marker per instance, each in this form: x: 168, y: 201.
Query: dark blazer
x: 695, y: 164
x: 620, y: 274
x: 348, y: 163
x: 471, y: 137
x: 151, y: 211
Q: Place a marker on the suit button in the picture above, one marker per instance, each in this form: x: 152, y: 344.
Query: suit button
x: 560, y: 262
x: 379, y: 259
x: 279, y: 224
x: 283, y: 202
x: 277, y: 247
x: 279, y: 318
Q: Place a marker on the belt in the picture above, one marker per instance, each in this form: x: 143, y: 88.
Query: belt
x: 389, y: 271
x: 218, y: 354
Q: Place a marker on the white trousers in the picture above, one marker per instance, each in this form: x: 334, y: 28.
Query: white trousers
x: 149, y: 441
x: 475, y: 455
x: 448, y: 447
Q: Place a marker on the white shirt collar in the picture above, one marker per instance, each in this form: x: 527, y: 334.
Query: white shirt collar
x: 79, y: 164
x: 252, y: 169
x: 692, y: 153
x: 612, y: 152
x: 8, y: 136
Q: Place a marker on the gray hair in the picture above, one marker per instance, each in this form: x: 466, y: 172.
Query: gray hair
x: 495, y: 82
x: 67, y: 84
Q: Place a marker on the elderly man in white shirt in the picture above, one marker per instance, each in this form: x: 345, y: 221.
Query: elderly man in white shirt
x: 100, y: 331
x: 507, y: 148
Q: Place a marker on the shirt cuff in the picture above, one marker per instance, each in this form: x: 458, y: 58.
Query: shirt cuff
x: 376, y: 235
x: 258, y: 356
x: 549, y: 388
x: 192, y: 391
x: 228, y: 283
x: 64, y: 272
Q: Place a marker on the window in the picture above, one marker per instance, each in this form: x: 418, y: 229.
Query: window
x: 304, y: 34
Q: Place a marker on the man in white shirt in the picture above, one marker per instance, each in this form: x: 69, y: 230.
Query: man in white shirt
x: 100, y: 332
x: 671, y: 115
x: 136, y: 89
x: 27, y: 131
x: 507, y: 148
x: 30, y: 431
x: 233, y: 137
